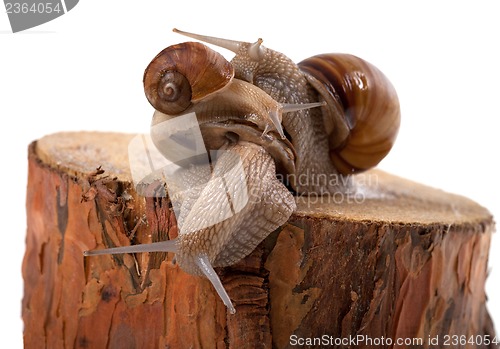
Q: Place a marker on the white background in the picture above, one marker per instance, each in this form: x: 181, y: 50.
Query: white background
x: 83, y: 71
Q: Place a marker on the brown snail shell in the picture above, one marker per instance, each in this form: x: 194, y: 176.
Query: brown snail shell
x: 361, y: 118
x: 183, y: 74
x: 368, y: 104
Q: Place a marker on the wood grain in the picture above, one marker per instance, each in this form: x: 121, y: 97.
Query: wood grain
x: 403, y: 261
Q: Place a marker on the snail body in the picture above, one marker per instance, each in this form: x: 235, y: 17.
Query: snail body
x: 329, y: 115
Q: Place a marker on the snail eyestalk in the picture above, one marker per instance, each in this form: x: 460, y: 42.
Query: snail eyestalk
x: 171, y: 246
x: 287, y: 108
x: 275, y: 115
x: 207, y: 269
x: 231, y: 45
x: 161, y: 246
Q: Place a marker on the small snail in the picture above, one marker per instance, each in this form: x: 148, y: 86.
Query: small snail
x: 330, y: 115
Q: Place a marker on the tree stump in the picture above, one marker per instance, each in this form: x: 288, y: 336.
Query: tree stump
x: 401, y: 262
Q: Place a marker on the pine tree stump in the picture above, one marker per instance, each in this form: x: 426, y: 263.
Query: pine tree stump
x: 404, y: 261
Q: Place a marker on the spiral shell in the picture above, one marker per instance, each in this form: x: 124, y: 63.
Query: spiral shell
x: 367, y: 103
x: 184, y: 74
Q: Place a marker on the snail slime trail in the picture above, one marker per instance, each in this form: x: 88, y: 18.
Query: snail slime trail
x: 261, y: 117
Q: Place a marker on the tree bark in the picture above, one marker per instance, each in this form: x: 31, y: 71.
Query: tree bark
x: 397, y: 260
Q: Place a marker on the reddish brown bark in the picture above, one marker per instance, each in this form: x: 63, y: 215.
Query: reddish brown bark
x: 408, y: 262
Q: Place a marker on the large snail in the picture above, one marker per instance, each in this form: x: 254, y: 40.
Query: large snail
x: 329, y: 116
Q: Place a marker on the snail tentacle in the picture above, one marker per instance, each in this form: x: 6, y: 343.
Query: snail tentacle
x: 209, y: 272
x: 231, y: 45
x: 291, y: 107
x: 160, y: 246
x: 276, y: 115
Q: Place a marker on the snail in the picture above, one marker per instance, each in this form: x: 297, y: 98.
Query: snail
x: 329, y: 116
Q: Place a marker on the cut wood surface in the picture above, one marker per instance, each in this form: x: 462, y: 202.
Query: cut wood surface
x: 395, y: 260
